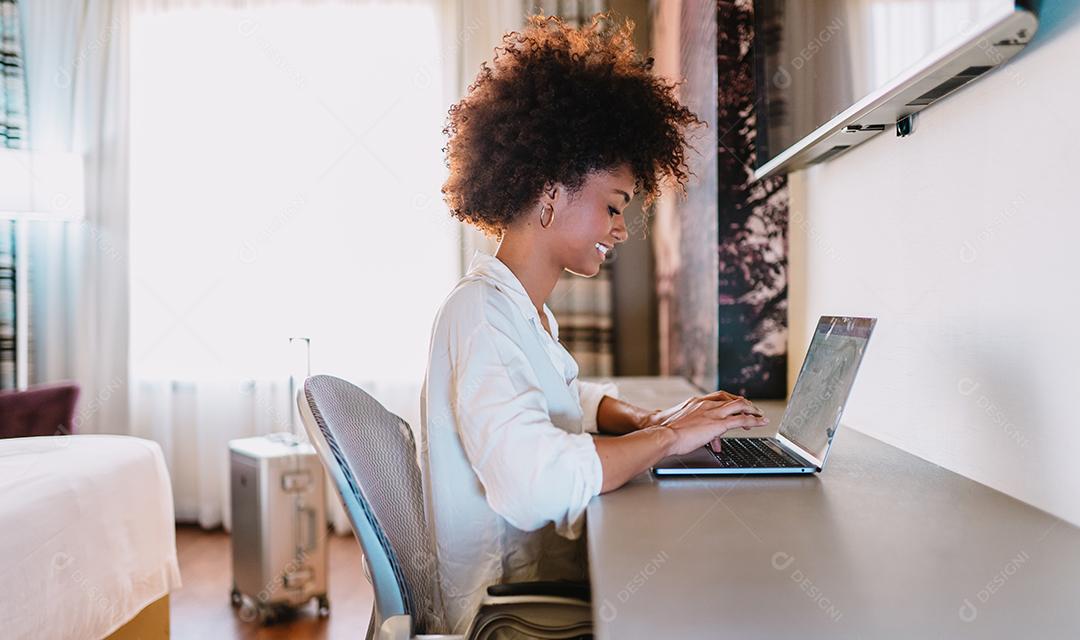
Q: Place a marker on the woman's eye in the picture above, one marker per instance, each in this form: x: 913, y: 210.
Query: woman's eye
x: 613, y: 211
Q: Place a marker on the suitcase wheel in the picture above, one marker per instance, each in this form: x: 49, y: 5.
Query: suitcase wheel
x: 249, y: 611
x: 269, y: 614
x: 264, y: 614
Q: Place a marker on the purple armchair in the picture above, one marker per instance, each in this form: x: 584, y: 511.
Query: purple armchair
x: 46, y: 410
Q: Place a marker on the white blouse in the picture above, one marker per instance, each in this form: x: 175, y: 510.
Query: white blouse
x: 507, y: 460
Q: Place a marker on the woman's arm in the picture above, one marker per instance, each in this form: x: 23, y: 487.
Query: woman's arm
x: 624, y: 457
x: 533, y: 472
x: 616, y: 417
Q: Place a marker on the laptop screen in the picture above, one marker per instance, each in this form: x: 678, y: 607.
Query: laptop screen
x: 823, y: 385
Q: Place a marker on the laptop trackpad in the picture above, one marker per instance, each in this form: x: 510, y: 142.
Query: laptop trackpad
x: 700, y: 458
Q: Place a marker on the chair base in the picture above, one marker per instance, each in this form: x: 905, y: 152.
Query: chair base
x: 532, y: 617
x: 525, y: 616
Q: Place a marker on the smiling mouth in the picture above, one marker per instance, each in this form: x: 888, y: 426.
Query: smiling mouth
x: 603, y: 249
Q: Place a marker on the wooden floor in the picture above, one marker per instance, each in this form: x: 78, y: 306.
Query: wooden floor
x: 201, y: 609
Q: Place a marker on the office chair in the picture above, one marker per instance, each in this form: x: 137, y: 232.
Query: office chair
x: 371, y: 457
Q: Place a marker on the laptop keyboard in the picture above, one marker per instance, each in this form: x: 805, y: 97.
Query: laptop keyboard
x: 751, y: 453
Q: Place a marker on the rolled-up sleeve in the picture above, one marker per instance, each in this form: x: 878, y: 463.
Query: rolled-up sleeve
x: 590, y: 394
x: 532, y: 471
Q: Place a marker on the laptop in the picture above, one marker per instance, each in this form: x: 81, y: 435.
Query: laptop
x: 810, y: 419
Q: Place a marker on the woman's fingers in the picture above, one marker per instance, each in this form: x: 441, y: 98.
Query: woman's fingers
x: 751, y: 408
x: 711, y: 419
x: 744, y: 420
x: 741, y: 405
x: 721, y: 396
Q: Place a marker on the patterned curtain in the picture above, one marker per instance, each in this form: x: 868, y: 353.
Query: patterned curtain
x: 582, y: 306
x: 12, y: 130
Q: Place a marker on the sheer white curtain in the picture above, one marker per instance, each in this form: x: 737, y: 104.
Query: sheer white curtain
x: 76, y: 73
x: 286, y: 165
x: 474, y: 28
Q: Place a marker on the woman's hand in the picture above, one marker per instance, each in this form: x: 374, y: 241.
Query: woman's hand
x: 702, y: 420
x: 680, y: 429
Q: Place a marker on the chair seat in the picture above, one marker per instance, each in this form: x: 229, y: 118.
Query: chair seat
x: 561, y: 589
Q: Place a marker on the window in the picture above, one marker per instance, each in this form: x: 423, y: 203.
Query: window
x: 285, y: 172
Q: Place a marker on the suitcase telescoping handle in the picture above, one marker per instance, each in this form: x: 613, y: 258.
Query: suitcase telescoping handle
x: 306, y: 517
x: 312, y: 529
x: 295, y: 367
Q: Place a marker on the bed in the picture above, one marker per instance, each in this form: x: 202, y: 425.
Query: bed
x: 89, y: 545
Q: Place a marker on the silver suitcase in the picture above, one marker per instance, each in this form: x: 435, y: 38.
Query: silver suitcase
x: 278, y: 495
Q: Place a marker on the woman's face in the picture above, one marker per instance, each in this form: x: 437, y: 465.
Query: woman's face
x: 590, y: 223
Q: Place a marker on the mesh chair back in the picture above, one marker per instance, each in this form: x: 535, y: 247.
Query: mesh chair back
x: 373, y: 462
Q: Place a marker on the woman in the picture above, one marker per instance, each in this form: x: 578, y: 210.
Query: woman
x: 545, y: 152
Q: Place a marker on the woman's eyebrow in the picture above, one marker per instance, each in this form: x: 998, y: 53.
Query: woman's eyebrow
x: 625, y: 195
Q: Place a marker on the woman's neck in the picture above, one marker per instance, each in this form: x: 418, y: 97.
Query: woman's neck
x: 532, y: 267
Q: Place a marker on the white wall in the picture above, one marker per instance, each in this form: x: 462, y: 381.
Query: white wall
x: 963, y: 240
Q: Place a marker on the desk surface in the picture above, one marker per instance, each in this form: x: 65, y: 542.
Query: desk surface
x: 880, y: 544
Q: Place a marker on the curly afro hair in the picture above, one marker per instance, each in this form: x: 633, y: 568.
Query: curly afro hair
x: 556, y: 104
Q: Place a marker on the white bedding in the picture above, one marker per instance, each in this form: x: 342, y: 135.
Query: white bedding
x: 86, y: 534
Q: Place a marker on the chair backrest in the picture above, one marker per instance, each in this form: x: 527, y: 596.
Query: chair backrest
x: 371, y: 456
x: 47, y: 410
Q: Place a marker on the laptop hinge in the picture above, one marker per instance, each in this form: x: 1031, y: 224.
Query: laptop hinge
x: 798, y: 451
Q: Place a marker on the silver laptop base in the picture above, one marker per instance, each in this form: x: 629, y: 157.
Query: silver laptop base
x: 764, y: 471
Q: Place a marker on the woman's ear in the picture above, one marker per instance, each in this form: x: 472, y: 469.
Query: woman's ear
x: 550, y: 193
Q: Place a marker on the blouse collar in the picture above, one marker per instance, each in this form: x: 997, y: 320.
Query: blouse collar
x: 494, y: 270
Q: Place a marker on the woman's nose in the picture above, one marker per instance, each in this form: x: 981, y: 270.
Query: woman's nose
x: 619, y: 231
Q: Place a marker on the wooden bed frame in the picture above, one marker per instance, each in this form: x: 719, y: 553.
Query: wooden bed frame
x: 152, y: 623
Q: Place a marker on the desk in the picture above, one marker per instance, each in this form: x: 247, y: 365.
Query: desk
x: 881, y: 544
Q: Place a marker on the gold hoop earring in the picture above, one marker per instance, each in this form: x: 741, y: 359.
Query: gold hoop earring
x: 550, y: 220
